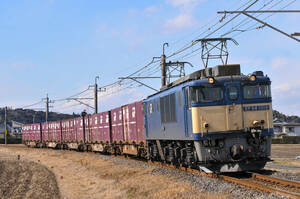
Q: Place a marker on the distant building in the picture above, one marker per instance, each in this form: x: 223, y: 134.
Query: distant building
x: 286, y: 129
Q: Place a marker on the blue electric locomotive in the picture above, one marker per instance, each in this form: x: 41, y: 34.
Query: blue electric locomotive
x: 215, y: 119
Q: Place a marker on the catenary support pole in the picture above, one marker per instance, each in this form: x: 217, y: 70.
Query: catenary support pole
x: 5, y: 124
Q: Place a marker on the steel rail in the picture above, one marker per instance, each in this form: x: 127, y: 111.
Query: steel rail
x: 244, y: 182
x: 276, y: 180
x: 258, y: 186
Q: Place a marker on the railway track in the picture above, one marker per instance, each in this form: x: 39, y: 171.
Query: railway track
x: 254, y: 181
x: 267, y: 184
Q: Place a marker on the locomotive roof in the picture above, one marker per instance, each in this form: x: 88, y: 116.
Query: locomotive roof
x: 200, y: 77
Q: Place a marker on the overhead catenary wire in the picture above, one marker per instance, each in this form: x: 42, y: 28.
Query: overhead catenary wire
x: 34, y: 104
x: 255, y: 25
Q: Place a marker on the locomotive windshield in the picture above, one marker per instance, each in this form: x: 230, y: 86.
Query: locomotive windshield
x: 257, y: 91
x: 206, y: 94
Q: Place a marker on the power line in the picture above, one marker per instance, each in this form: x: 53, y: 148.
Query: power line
x: 254, y: 26
x: 32, y: 104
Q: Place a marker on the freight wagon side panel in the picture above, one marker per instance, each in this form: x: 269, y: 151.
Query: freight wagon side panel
x: 50, y: 131
x: 57, y: 131
x: 87, y: 128
x: 117, y: 125
x: 132, y: 123
x: 140, y: 126
x: 79, y: 129
x: 45, y: 132
x: 105, y: 130
x: 30, y: 132
x: 25, y: 136
x: 94, y: 128
x: 37, y: 132
x: 71, y: 132
x: 125, y: 122
x: 64, y: 130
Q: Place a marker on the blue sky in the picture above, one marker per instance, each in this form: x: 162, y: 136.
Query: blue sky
x: 59, y: 46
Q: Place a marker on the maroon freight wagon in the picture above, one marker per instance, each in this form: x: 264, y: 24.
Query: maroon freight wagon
x: 36, y: 132
x: 54, y: 131
x: 78, y: 129
x: 31, y: 134
x: 87, y: 121
x: 67, y: 127
x: 133, y: 123
x: 99, y: 128
x: 26, y: 132
x: 44, y: 132
x: 117, y: 125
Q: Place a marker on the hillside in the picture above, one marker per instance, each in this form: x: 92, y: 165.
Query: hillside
x: 27, y: 116
x: 285, y: 118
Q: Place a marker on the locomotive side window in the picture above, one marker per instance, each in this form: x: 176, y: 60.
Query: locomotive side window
x: 256, y: 91
x: 187, y: 97
x: 168, y: 108
x: 179, y: 97
x: 150, y: 108
x: 233, y: 92
x: 206, y: 94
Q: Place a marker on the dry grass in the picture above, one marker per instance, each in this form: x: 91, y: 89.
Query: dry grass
x: 22, y: 179
x: 284, y: 154
x: 83, y: 176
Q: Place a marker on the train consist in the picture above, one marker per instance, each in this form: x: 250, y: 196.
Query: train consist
x: 215, y: 119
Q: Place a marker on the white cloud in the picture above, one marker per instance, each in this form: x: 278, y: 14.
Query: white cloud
x: 22, y: 64
x: 279, y: 62
x: 285, y: 84
x: 118, y: 96
x: 185, y: 18
x: 17, y: 64
x: 184, y: 3
x: 150, y: 10
x: 179, y: 23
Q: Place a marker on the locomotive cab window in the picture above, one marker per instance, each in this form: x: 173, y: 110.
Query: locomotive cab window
x: 258, y: 91
x: 233, y: 92
x: 200, y: 94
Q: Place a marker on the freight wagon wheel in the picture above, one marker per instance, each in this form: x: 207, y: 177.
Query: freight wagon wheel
x: 65, y: 147
x: 80, y: 148
x: 89, y: 148
x: 85, y: 147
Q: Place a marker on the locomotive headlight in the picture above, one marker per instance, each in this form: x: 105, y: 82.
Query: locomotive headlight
x: 252, y: 78
x: 205, y: 125
x: 211, y: 80
x: 255, y: 122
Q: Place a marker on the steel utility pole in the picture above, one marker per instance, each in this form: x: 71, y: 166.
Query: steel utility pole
x: 47, y: 107
x: 5, y: 125
x: 96, y: 94
x: 163, y: 66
